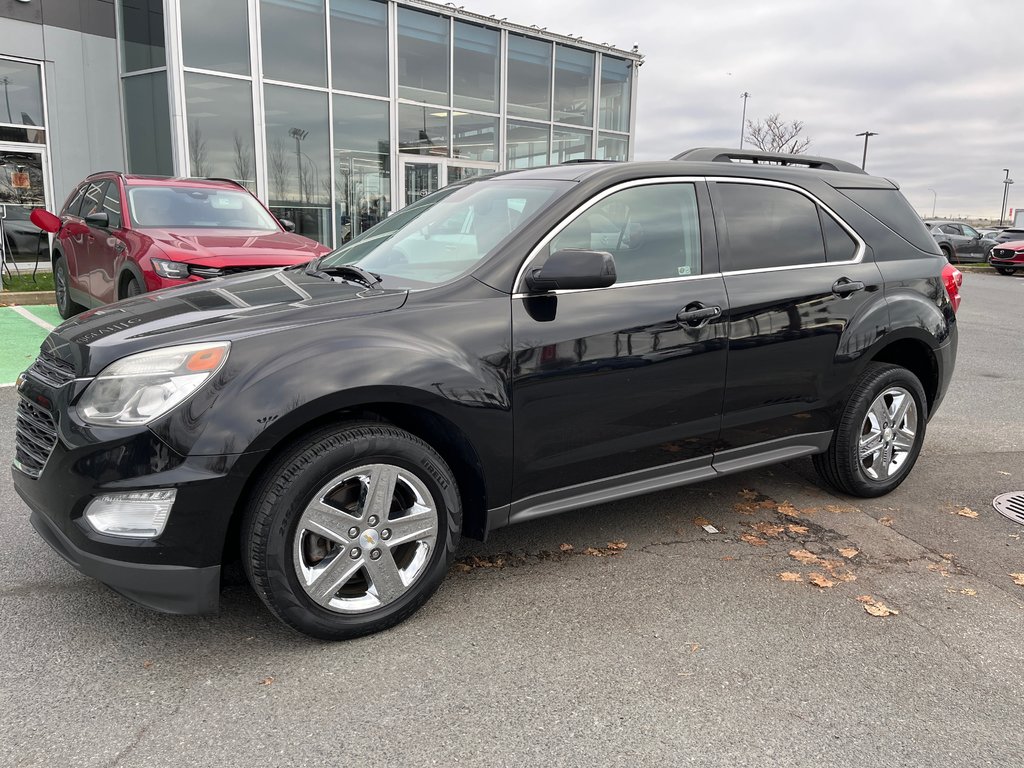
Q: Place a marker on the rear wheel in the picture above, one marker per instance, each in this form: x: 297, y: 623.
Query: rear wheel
x: 949, y: 253
x: 352, y: 530
x: 1005, y: 270
x: 880, y: 434
x: 66, y: 306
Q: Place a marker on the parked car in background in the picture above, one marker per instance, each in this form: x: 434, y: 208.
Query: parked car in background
x: 959, y: 241
x: 1010, y: 234
x: 1007, y: 258
x: 991, y: 232
x: 120, y: 235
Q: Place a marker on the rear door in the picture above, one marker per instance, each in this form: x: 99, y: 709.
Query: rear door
x: 612, y: 381
x: 796, y: 279
x: 102, y: 247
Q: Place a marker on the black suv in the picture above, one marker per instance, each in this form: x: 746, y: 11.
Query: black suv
x: 507, y: 348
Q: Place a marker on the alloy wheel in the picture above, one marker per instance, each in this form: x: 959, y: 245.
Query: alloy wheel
x: 888, y: 433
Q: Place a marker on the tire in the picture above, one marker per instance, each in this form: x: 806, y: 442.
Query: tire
x: 949, y: 253
x: 867, y: 424
x: 313, y: 512
x: 1005, y: 270
x: 66, y: 306
x: 130, y: 288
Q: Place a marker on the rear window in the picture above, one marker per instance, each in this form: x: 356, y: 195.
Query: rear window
x: 893, y: 210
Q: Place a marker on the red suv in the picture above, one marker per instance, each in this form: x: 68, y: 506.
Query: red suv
x: 120, y: 235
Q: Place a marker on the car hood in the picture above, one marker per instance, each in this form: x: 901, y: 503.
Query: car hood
x: 231, y: 308
x: 235, y: 246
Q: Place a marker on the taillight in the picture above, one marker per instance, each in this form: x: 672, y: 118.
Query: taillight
x: 953, y: 278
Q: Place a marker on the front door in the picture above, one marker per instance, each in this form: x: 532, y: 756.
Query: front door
x: 624, y: 379
x: 22, y: 188
x: 423, y: 175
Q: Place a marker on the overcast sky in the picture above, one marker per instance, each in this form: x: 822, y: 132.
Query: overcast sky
x: 940, y: 81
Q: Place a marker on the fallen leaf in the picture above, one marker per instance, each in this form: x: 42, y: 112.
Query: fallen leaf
x: 593, y: 552
x: 797, y: 529
x: 565, y: 547
x: 1018, y: 579
x: 880, y: 609
x: 694, y: 647
x: 805, y: 557
x: 1003, y: 473
x: 965, y: 591
x: 886, y: 521
x: 839, y: 509
x: 700, y: 522
x: 821, y: 580
x: 864, y: 599
x: 147, y: 664
x: 966, y: 512
x: 749, y: 494
x: 745, y: 509
x: 939, y: 568
x: 788, y: 509
x: 754, y: 541
x: 461, y: 568
x: 948, y: 555
x: 849, y: 552
x: 617, y: 546
x: 767, y: 529
x: 267, y: 681
x: 790, y: 576
x: 728, y: 557
x: 845, y: 576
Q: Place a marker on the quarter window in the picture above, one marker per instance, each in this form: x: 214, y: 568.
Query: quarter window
x: 770, y: 227
x: 653, y: 232
x: 839, y: 246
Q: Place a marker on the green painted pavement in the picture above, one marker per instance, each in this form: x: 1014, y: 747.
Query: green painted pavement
x: 20, y: 339
x: 47, y: 313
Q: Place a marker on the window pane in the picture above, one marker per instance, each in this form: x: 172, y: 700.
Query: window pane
x: 362, y: 163
x: 215, y: 35
x: 570, y: 145
x: 142, y: 34
x: 23, y: 96
x: 615, y: 76
x: 838, y: 244
x: 148, y: 124
x: 294, y: 36
x: 112, y: 204
x: 476, y: 67
x: 298, y: 159
x: 612, y: 147
x: 475, y: 137
x: 529, y: 78
x: 93, y: 202
x: 770, y: 227
x: 653, y: 232
x: 527, y: 145
x: 574, y: 86
x: 220, y: 131
x: 75, y: 201
x: 422, y: 56
x: 422, y: 130
x: 359, y: 46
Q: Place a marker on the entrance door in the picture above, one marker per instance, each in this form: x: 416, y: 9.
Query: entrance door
x: 22, y: 188
x: 422, y: 176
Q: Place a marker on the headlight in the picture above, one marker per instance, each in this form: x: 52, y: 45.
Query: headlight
x: 173, y: 269
x: 139, y: 388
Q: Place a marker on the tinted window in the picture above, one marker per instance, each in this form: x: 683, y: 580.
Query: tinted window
x: 839, y: 246
x: 615, y: 76
x: 23, y: 96
x: 215, y: 35
x: 112, y: 204
x: 147, y: 122
x: 770, y: 227
x: 422, y: 56
x: 950, y: 229
x: 652, y: 231
x: 75, y: 201
x: 220, y: 136
x: 529, y: 77
x: 574, y: 86
x: 191, y: 207
x: 142, y: 34
x: 475, y: 71
x: 359, y: 46
x: 294, y: 36
x: 93, y: 200
x: 969, y: 231
x: 893, y: 210
x: 526, y: 144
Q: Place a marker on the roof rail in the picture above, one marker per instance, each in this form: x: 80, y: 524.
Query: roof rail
x: 586, y: 160
x: 104, y: 173
x: 720, y: 155
x: 224, y: 178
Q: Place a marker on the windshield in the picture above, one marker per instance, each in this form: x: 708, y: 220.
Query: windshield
x: 197, y: 207
x: 443, y: 236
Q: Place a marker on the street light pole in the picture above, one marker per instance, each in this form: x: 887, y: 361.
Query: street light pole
x: 867, y: 135
x: 299, y: 134
x: 743, y: 117
x: 1007, y: 181
x: 934, y: 198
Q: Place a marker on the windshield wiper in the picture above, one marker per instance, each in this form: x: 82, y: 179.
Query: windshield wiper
x: 345, y: 272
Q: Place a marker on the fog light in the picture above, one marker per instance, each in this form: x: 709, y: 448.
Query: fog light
x: 134, y: 515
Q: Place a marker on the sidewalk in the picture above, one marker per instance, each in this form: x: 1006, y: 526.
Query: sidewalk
x: 23, y: 330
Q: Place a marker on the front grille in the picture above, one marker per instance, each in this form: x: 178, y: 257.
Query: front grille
x: 52, y: 370
x: 35, y: 435
x: 209, y: 272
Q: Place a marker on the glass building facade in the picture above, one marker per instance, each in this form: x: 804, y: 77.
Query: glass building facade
x: 336, y: 112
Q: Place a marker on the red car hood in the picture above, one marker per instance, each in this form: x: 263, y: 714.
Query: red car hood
x: 235, y: 247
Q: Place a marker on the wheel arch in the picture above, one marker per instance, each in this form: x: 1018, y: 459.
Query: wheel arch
x: 918, y: 357
x: 128, y: 270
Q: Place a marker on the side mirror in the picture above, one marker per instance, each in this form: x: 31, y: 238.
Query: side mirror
x: 288, y: 224
x: 571, y: 268
x: 98, y: 219
x: 45, y: 220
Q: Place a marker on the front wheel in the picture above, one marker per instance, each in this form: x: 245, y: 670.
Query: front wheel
x: 131, y: 288
x: 352, y: 530
x: 1005, y: 270
x: 880, y: 433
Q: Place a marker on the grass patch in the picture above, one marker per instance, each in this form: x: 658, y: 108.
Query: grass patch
x: 43, y: 282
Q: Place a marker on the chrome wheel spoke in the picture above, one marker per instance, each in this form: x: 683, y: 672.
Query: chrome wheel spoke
x: 332, y: 577
x: 870, y: 444
x: 879, y: 411
x: 899, y: 410
x: 888, y: 433
x: 904, y: 440
x: 380, y: 491
x: 419, y: 524
x: 385, y: 579
x: 327, y: 521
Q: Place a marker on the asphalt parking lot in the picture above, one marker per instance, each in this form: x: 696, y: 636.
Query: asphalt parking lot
x: 682, y: 648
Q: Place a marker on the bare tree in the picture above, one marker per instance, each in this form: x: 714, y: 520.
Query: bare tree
x: 773, y: 134
x: 279, y: 167
x: 197, y: 150
x: 243, y: 160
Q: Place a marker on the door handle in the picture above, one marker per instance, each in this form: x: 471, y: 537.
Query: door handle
x: 844, y: 286
x: 696, y: 314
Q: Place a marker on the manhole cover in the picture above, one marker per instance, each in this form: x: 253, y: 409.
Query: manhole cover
x: 1010, y: 505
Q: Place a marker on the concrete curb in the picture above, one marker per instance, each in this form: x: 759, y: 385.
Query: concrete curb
x: 26, y: 298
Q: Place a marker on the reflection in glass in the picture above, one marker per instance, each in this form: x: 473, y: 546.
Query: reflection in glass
x: 147, y: 123
x: 142, y: 34
x: 570, y: 145
x: 529, y: 78
x: 294, y: 37
x: 298, y: 159
x: 220, y: 134
x: 458, y: 173
x: 22, y: 102
x: 215, y: 35
x: 574, y: 86
x: 475, y: 71
x: 612, y: 147
x: 475, y: 137
x: 421, y: 179
x: 422, y: 56
x: 615, y: 75
x: 359, y: 46
x: 527, y: 144
x: 362, y: 164
x: 21, y: 190
x: 422, y: 130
